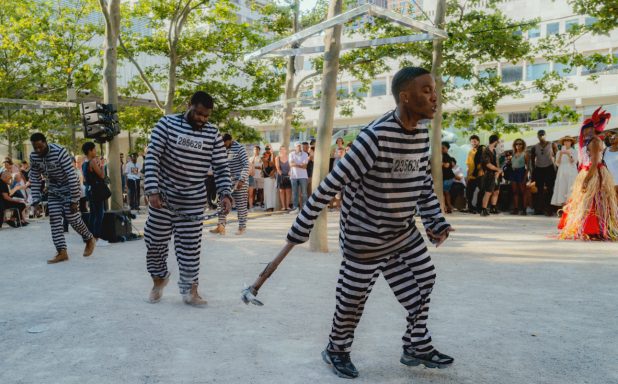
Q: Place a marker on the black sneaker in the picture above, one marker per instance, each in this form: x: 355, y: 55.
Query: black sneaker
x: 493, y: 210
x: 341, y: 363
x: 484, y: 212
x: 433, y: 359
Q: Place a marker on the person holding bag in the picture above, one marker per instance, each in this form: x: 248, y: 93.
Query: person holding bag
x: 96, y: 190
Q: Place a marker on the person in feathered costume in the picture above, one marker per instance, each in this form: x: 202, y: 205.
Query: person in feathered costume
x: 592, y: 210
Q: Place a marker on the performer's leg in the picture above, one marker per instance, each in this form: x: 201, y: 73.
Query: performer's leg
x: 411, y: 276
x: 56, y: 219
x: 188, y: 245
x: 157, y: 234
x: 355, y: 282
x: 240, y: 197
x: 75, y: 219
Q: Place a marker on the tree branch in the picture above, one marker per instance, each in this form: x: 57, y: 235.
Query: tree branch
x: 106, y: 15
x: 142, y: 75
x: 303, y: 80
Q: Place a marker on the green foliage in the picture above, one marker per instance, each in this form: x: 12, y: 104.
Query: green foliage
x: 205, y: 49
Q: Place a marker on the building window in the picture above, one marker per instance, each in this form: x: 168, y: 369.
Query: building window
x: 343, y: 91
x: 569, y: 24
x: 378, y: 88
x: 552, y: 29
x: 272, y: 136
x: 534, y: 33
x: 564, y: 70
x: 590, y: 21
x: 307, y: 64
x: 512, y: 73
x: 306, y: 97
x: 461, y: 82
x: 356, y: 89
x: 536, y: 71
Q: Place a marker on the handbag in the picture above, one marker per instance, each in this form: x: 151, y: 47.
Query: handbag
x: 100, y: 191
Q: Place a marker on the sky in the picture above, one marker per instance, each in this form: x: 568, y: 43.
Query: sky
x: 306, y: 4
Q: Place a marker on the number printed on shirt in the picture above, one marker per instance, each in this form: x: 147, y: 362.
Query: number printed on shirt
x: 405, y: 167
x: 189, y: 142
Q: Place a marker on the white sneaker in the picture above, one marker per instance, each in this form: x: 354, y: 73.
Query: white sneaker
x: 102, y: 243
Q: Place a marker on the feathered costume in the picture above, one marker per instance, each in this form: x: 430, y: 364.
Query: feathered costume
x: 591, y: 213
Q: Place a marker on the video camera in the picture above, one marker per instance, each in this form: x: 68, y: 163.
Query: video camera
x: 100, y: 121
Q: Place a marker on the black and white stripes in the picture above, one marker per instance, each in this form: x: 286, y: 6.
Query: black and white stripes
x: 386, y: 180
x: 177, y: 164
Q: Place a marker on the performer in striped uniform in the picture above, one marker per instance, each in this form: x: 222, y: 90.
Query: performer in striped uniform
x: 385, y: 179
x: 181, y: 150
x: 63, y: 191
x: 239, y: 169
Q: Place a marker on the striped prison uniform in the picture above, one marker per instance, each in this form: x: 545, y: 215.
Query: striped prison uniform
x: 239, y: 170
x: 62, y: 189
x: 176, y: 165
x: 385, y: 180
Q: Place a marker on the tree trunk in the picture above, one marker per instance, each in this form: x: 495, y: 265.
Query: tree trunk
x: 318, y: 241
x: 171, y: 79
x: 288, y: 108
x: 436, y: 135
x: 110, y: 93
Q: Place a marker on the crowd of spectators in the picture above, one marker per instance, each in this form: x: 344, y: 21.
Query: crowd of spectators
x: 523, y: 180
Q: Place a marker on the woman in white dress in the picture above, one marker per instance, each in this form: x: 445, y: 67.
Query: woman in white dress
x: 270, y: 184
x: 566, y: 160
x: 256, y: 180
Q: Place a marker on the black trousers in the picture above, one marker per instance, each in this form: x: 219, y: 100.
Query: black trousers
x: 470, y: 188
x: 545, y: 177
x: 134, y: 192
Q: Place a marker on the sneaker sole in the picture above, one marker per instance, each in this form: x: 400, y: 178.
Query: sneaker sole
x: 327, y: 361
x: 414, y: 362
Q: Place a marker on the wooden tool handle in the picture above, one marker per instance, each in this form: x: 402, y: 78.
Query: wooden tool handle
x: 271, y: 267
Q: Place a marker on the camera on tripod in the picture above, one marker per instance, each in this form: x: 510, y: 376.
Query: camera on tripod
x: 100, y: 121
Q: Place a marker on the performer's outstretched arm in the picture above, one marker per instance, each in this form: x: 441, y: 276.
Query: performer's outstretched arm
x: 221, y: 168
x: 35, y: 181
x: 244, y: 160
x: 351, y: 167
x: 429, y: 208
x: 158, y: 142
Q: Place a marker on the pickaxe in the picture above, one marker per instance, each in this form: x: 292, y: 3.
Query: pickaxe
x: 249, y: 293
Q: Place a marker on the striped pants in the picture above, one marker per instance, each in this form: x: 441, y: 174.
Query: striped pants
x: 240, y: 197
x: 411, y: 275
x: 160, y: 226
x: 59, y: 208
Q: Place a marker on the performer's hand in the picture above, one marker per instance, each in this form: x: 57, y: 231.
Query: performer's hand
x: 226, y: 204
x: 74, y: 207
x: 438, y: 239
x: 154, y: 201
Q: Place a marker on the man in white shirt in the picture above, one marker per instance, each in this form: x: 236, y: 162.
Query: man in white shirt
x: 298, y: 175
x: 132, y: 172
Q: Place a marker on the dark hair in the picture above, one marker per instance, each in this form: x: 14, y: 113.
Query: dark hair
x: 38, y: 137
x: 87, y: 147
x: 474, y: 137
x: 304, y: 143
x: 202, y: 98
x: 446, y: 144
x: 258, y: 147
x: 340, y: 138
x: 493, y: 138
x: 403, y: 76
x: 226, y: 137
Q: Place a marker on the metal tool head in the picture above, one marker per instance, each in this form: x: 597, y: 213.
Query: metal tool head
x: 248, y: 296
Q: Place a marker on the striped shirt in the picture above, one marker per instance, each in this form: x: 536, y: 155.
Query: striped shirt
x: 57, y: 168
x: 238, y: 162
x: 385, y: 179
x: 179, y: 157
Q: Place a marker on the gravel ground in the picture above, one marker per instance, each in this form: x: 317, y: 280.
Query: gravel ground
x: 511, y: 304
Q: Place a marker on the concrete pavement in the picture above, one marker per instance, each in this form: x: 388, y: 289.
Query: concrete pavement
x: 511, y: 304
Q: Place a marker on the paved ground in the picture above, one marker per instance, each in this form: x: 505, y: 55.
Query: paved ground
x: 511, y: 304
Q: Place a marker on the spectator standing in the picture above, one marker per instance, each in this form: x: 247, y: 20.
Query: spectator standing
x: 459, y: 183
x: 284, y: 184
x: 610, y: 156
x: 123, y: 175
x: 132, y: 173
x: 93, y: 175
x: 519, y: 176
x: 340, y: 145
x: 256, y: 181
x: 269, y: 172
x: 542, y: 161
x: 566, y: 161
x: 473, y: 174
x: 490, y: 173
x: 447, y: 176
x: 298, y: 176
